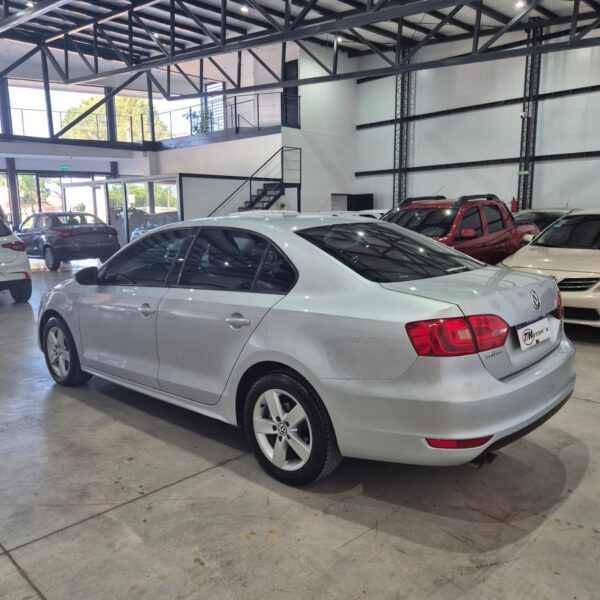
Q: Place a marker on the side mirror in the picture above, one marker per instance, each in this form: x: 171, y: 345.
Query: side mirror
x: 527, y: 238
x: 87, y: 276
x: 467, y: 234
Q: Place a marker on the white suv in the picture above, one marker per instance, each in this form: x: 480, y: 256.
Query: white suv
x: 15, y: 274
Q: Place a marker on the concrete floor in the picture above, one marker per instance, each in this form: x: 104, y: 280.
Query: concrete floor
x: 108, y: 494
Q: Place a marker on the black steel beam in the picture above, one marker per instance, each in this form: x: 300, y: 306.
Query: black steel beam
x: 343, y: 21
x: 29, y: 13
x: 47, y: 95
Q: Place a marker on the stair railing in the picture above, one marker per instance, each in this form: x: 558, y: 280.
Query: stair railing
x: 284, y: 167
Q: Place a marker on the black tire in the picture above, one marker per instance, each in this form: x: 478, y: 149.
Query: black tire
x: 74, y: 375
x: 51, y: 260
x: 324, y: 454
x: 21, y: 292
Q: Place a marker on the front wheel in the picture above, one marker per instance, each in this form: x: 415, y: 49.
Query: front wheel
x: 289, y: 430
x: 51, y: 260
x: 21, y: 292
x: 61, y: 354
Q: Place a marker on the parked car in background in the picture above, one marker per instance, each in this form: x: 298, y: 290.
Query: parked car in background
x: 569, y: 250
x: 542, y: 218
x: 479, y: 225
x: 422, y: 355
x: 157, y: 220
x: 15, y: 274
x: 58, y: 236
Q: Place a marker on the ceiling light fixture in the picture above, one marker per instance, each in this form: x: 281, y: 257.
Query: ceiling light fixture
x: 520, y: 4
x: 339, y: 39
x: 30, y: 3
x: 244, y: 8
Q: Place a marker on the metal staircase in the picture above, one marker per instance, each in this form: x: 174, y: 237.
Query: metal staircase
x: 268, y: 185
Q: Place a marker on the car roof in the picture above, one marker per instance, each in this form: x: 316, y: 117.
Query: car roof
x: 281, y: 220
x: 586, y: 211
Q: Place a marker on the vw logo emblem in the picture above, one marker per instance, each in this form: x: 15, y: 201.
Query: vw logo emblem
x: 535, y: 300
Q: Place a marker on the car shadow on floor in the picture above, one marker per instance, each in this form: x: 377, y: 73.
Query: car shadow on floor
x: 456, y: 509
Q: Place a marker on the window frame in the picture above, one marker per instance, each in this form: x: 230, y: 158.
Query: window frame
x: 169, y: 275
x: 33, y: 218
x: 269, y: 242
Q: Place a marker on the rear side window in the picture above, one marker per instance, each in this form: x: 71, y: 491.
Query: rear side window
x: 472, y: 220
x: 385, y: 254
x: 4, y: 229
x: 223, y: 259
x: 493, y: 216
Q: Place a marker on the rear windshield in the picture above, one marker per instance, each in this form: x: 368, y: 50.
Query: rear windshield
x: 78, y: 219
x: 384, y: 253
x: 4, y: 229
x: 576, y: 231
x: 433, y: 222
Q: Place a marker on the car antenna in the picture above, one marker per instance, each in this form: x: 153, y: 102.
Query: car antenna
x: 569, y: 200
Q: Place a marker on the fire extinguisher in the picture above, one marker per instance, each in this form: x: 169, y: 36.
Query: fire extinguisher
x: 514, y: 205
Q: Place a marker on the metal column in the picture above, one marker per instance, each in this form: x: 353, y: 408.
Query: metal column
x: 529, y: 115
x: 402, y: 127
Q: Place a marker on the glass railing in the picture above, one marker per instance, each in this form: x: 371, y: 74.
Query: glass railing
x: 238, y: 114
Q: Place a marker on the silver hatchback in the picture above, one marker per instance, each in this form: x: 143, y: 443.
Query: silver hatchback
x: 322, y: 337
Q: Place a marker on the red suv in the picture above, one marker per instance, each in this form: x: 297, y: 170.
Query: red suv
x: 480, y: 225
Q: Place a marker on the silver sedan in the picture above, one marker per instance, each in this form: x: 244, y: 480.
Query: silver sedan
x: 321, y: 337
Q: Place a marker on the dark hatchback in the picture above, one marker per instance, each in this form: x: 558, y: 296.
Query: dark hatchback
x: 59, y: 236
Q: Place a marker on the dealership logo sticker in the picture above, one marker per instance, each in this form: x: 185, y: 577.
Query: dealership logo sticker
x: 535, y: 299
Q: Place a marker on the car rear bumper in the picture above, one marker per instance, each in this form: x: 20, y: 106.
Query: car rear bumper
x: 582, y: 308
x: 390, y: 420
x: 80, y: 252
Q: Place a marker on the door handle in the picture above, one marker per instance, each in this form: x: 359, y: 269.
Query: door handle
x: 237, y: 321
x: 146, y: 310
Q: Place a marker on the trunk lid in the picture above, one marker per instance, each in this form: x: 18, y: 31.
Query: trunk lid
x: 87, y: 233
x: 501, y: 292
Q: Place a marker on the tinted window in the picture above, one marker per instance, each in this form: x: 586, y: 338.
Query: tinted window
x: 4, y: 229
x: 146, y: 262
x: 577, y: 231
x: 44, y: 222
x: 472, y: 220
x: 276, y: 275
x: 223, y: 259
x: 383, y: 253
x: 493, y: 216
x: 433, y: 222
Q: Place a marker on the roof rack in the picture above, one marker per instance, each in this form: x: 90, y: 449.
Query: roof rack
x: 464, y: 199
x: 423, y: 199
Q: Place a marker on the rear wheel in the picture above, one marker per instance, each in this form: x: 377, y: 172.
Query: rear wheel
x: 21, y: 292
x: 61, y: 354
x: 289, y: 430
x: 51, y: 260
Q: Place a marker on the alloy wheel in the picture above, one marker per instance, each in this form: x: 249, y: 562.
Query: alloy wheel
x: 59, y: 355
x: 282, y: 429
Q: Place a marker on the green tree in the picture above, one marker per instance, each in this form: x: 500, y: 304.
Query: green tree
x: 132, y: 118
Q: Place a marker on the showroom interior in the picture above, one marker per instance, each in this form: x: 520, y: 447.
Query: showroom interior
x: 441, y: 418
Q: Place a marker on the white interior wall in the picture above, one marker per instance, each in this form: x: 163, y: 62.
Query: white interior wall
x: 564, y: 125
x: 327, y: 135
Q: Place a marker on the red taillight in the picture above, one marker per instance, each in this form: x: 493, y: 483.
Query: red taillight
x: 457, y: 336
x: 559, y: 311
x: 64, y: 234
x: 458, y: 444
x: 18, y: 246
x: 490, y: 331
